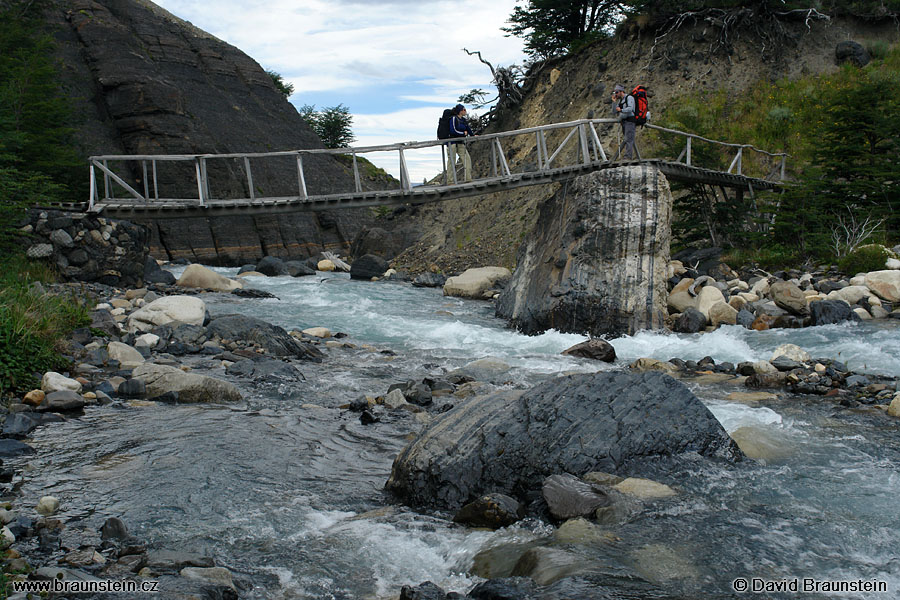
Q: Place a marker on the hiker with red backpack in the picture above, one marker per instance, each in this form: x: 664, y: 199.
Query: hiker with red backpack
x: 631, y: 110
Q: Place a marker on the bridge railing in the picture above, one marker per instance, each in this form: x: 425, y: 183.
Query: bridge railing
x: 543, y: 149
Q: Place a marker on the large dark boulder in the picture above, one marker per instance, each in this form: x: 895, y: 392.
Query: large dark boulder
x: 429, y: 280
x: 828, y: 312
x: 368, y: 266
x: 510, y: 441
x: 275, y: 340
x: 690, y: 321
x: 153, y: 273
x: 596, y: 262
x: 271, y: 266
x: 384, y: 243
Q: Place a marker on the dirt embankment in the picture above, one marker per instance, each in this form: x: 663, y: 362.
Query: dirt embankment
x: 487, y: 230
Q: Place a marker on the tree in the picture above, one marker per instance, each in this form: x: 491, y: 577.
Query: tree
x: 281, y: 85
x: 38, y: 161
x: 332, y: 125
x: 554, y: 27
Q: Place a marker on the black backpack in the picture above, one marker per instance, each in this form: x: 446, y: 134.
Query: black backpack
x: 443, y: 130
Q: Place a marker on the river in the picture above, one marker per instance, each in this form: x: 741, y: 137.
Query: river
x: 286, y: 489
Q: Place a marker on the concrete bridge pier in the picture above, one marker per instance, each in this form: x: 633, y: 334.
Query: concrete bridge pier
x: 598, y: 258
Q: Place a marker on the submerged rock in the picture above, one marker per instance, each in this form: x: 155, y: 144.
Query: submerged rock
x: 510, y: 441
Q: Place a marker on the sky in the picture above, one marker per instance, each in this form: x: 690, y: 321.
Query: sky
x: 396, y: 64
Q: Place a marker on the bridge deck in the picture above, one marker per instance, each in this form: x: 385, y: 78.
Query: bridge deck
x: 190, y: 207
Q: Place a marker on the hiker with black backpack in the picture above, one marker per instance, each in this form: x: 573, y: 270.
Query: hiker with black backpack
x: 452, y: 124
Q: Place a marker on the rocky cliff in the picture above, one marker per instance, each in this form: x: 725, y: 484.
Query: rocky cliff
x: 146, y: 82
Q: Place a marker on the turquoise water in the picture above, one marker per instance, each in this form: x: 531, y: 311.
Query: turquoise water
x: 286, y: 490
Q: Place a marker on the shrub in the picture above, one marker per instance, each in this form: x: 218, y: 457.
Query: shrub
x: 865, y: 259
x: 32, y: 323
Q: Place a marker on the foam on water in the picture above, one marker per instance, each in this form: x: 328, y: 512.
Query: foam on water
x: 733, y: 416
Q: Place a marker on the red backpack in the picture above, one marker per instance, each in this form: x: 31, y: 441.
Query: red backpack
x: 639, y: 93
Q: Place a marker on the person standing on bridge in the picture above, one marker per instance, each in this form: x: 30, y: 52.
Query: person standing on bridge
x: 623, y: 107
x: 459, y: 128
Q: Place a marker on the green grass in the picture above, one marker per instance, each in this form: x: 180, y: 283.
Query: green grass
x: 32, y: 324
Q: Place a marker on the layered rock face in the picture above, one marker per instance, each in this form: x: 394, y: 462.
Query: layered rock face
x: 143, y: 81
x: 510, y: 441
x: 597, y: 260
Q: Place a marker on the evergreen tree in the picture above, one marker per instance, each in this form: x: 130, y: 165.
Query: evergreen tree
x: 333, y: 125
x: 38, y: 162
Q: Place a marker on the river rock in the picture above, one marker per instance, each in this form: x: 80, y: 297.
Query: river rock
x: 10, y: 448
x: 491, y: 510
x: 894, y: 408
x: 512, y: 440
x: 828, y: 312
x: 708, y: 297
x: 721, y: 313
x: 217, y: 576
x: 595, y: 349
x: 47, y: 505
x: 851, y: 294
x: 789, y: 297
x: 62, y: 401
x: 645, y: 489
x: 325, y: 265
x: 368, y: 266
x: 173, y: 560
x: 690, y: 321
x: 127, y: 356
x: 318, y: 332
x: 885, y: 284
x: 423, y: 591
x: 506, y: 588
x: 190, y: 387
x: 272, y: 266
x: 187, y: 309
x: 54, y: 382
x: 477, y: 283
x: 791, y: 351
x: 296, y: 268
x: 547, y: 565
x: 643, y: 365
x: 19, y: 425
x: 862, y: 314
x: 597, y: 259
x: 198, y: 276
x: 429, y: 280
x: 274, y: 339
x: 34, y: 397
x: 153, y: 273
x: 568, y: 497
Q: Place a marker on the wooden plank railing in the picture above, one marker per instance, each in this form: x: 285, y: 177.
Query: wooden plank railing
x: 577, y: 141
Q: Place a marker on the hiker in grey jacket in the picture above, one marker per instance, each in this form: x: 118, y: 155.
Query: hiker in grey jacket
x: 623, y: 107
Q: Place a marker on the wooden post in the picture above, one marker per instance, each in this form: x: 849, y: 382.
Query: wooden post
x: 783, y: 161
x: 205, y: 178
x: 494, y: 160
x: 405, y: 183
x: 155, y: 183
x: 93, y: 188
x: 199, y: 181
x: 106, y: 187
x: 740, y: 160
x: 503, y: 164
x: 356, y: 179
x: 688, y: 149
x: 301, y: 178
x: 597, y: 144
x: 146, y: 183
x: 582, y: 138
x: 249, y: 179
x: 537, y: 144
x: 445, y: 155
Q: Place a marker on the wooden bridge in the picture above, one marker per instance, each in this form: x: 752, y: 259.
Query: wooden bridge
x: 576, y: 145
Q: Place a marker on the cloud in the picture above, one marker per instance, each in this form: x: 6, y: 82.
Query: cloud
x: 373, y: 56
